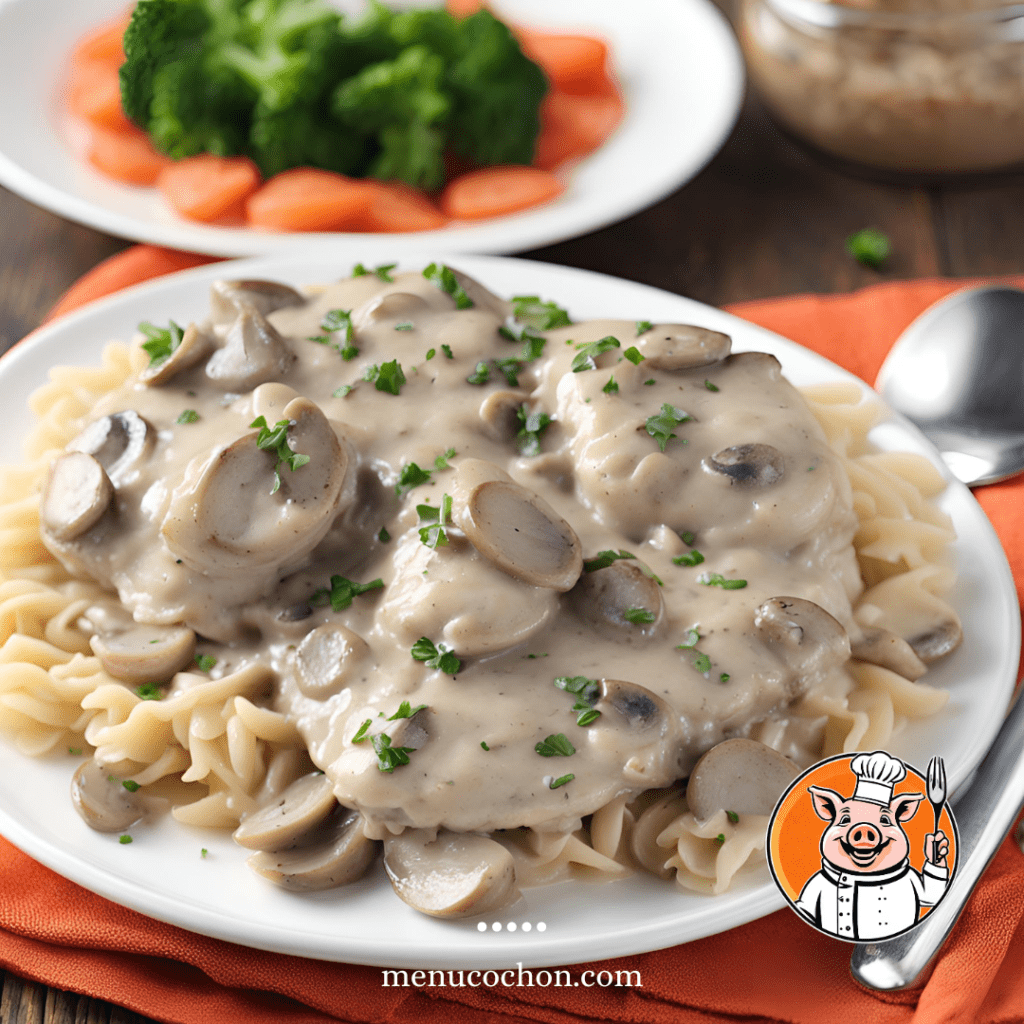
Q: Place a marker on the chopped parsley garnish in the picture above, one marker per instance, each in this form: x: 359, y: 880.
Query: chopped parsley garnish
x: 406, y: 710
x: 720, y: 838
x: 407, y: 325
x: 869, y: 247
x: 447, y: 350
x: 605, y: 558
x: 162, y: 341
x: 484, y: 745
x: 441, y: 462
x: 510, y: 368
x: 75, y: 751
x: 633, y: 355
x: 131, y: 785
x: 648, y: 383
x: 150, y: 691
x: 661, y: 425
x: 555, y: 746
x: 387, y: 377
x: 531, y: 426
x: 638, y: 616
x: 612, y: 387
x: 702, y: 663
x: 710, y: 386
x: 445, y: 279
x: 435, y: 535
x: 363, y: 730
x: 124, y: 840
x: 341, y: 592
x: 687, y: 537
x: 410, y: 477
x: 716, y: 579
x: 544, y: 316
x: 383, y: 536
x: 383, y: 271
x: 643, y: 326
x: 205, y: 662
x: 275, y: 441
x: 389, y: 757
x: 338, y: 321
x: 533, y: 345
x: 481, y: 375
x: 436, y: 656
x: 203, y: 852
x: 693, y: 557
x: 732, y: 816
x: 584, y: 359
x: 561, y: 781
x: 586, y: 692
x: 188, y: 416
x: 690, y: 640
x: 342, y: 391
x: 724, y: 677
x: 431, y: 352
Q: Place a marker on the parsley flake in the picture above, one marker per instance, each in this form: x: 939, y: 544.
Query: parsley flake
x: 75, y: 751
x: 124, y: 840
x: 163, y: 341
x: 341, y: 592
x: 605, y: 558
x: 338, y: 321
x: 407, y: 325
x: 693, y: 557
x: 555, y: 746
x: 510, y: 368
x: 150, y: 691
x: 203, y: 852
x: 406, y: 710
x: 716, y: 579
x: 383, y: 271
x: 445, y: 279
x: 388, y: 757
x: 724, y: 677
x: 188, y: 416
x: 431, y: 352
x: 361, y: 733
x: 447, y: 350
x: 484, y: 745
x: 585, y: 358
x: 689, y: 640
x: 439, y: 656
x: 387, y: 377
x: 411, y: 476
x: 586, y: 691
x: 435, y: 536
x: 643, y: 326
x: 612, y: 387
x: 869, y: 247
x: 383, y: 536
x: 720, y: 838
x: 481, y: 375
x: 732, y: 816
x: 531, y: 426
x: 205, y: 662
x: 661, y: 425
x: 561, y: 781
x: 441, y: 462
x: 702, y: 663
x: 710, y: 386
x: 342, y: 391
x: 633, y: 355
x: 275, y: 441
x: 638, y: 616
x: 131, y: 785
x: 544, y: 316
x: 687, y: 537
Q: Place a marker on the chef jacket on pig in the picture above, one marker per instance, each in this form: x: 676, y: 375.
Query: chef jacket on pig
x: 866, y: 888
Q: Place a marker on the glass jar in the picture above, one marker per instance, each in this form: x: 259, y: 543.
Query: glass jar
x: 924, y: 87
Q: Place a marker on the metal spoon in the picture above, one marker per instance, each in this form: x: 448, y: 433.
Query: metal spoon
x: 958, y: 372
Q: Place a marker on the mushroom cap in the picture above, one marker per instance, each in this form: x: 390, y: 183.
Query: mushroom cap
x: 739, y: 775
x: 228, y: 297
x: 77, y: 493
x: 104, y: 805
x: 340, y: 855
x: 119, y: 443
x: 802, y: 634
x: 682, y: 346
x: 458, y: 874
x: 748, y: 465
x: 498, y: 413
x: 325, y: 660
x: 228, y: 518
x: 389, y: 306
x: 936, y: 643
x: 291, y: 818
x: 144, y: 653
x: 879, y: 646
x: 602, y: 597
x: 253, y: 353
x: 514, y: 529
x: 195, y: 345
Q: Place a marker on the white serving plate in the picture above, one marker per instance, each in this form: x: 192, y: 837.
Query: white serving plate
x: 162, y: 874
x: 680, y: 71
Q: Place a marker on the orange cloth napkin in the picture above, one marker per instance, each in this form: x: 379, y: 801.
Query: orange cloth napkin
x: 774, y: 969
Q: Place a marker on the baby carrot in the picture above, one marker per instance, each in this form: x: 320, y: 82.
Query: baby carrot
x: 308, y: 199
x: 574, y: 64
x: 494, y: 191
x: 208, y: 187
x: 399, y: 207
x: 125, y: 154
x: 572, y: 126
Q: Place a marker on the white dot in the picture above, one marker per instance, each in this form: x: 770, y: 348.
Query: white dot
x: 496, y: 927
x: 542, y: 927
x: 527, y: 926
x: 511, y: 926
x: 481, y: 927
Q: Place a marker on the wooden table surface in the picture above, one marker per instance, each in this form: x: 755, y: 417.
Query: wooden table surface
x: 764, y: 218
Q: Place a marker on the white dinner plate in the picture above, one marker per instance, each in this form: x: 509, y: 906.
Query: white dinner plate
x: 680, y: 71
x: 162, y: 874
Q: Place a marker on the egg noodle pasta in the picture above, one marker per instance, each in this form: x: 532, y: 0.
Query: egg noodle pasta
x: 217, y: 748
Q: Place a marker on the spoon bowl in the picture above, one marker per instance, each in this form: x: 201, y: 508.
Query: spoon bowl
x: 958, y: 373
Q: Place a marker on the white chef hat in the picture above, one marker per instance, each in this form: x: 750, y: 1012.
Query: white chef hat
x: 877, y: 773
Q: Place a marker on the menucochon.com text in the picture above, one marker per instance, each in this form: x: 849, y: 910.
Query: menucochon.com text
x: 511, y: 978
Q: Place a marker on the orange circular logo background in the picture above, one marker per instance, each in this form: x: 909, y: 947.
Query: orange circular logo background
x: 795, y: 830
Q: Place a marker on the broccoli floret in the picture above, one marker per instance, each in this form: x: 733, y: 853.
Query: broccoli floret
x: 497, y: 93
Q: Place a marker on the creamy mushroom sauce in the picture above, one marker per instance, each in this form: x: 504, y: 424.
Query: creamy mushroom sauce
x: 196, y: 536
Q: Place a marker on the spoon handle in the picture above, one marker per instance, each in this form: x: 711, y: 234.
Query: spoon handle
x: 985, y: 813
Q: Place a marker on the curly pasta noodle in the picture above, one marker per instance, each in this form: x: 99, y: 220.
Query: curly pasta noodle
x: 217, y: 750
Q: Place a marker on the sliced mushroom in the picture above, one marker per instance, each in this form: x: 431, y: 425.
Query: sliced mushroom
x: 748, y: 465
x: 195, y: 345
x: 516, y: 530
x: 766, y: 362
x: 458, y: 874
x: 391, y: 306
x: 498, y: 413
x: 604, y: 597
x: 739, y: 775
x: 77, y: 493
x: 228, y: 516
x: 938, y: 642
x: 145, y: 654
x: 682, y: 346
x: 802, y: 634
x: 228, y: 297
x: 880, y: 647
x: 253, y: 353
x: 270, y: 400
x: 481, y: 297
x: 120, y: 443
x: 410, y: 732
x: 102, y: 801
x: 341, y: 855
x: 325, y: 660
x: 291, y: 818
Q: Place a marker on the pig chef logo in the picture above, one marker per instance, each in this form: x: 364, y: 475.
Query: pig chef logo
x: 877, y: 865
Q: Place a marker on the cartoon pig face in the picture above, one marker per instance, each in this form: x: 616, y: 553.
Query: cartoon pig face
x: 863, y: 836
